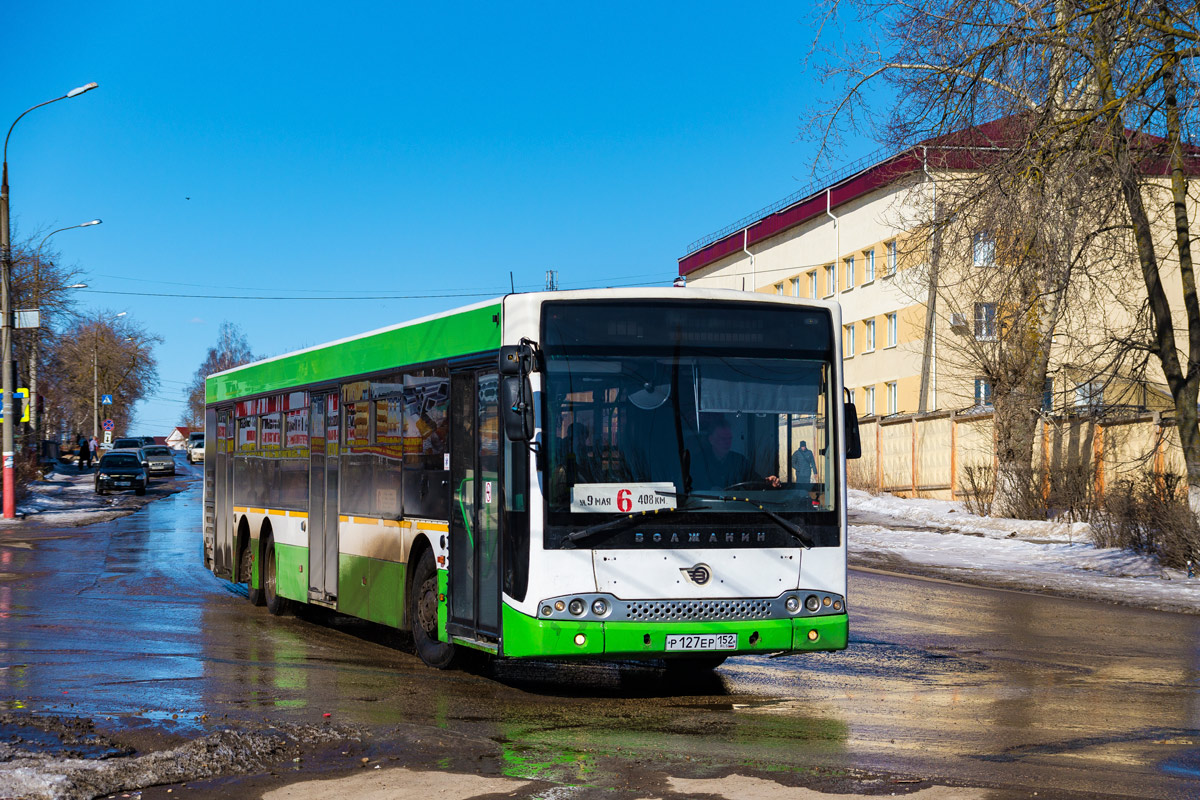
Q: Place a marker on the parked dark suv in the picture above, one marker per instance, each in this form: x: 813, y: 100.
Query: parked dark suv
x: 120, y: 472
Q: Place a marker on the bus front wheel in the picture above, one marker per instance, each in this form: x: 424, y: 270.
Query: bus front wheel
x: 423, y: 611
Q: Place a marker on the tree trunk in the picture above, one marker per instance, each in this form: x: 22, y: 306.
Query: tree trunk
x: 1015, y: 425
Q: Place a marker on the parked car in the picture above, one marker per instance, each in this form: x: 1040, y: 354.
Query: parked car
x: 159, y: 459
x: 147, y: 440
x: 196, y: 451
x: 120, y: 471
x: 127, y: 442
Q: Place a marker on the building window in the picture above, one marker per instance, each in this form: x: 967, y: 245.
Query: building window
x: 851, y: 393
x: 795, y: 287
x: 983, y: 247
x: 779, y: 289
x: 985, y: 321
x: 892, y: 330
x: 869, y: 336
x: 812, y: 284
x: 983, y: 392
x: 1089, y: 396
x: 830, y: 279
x: 850, y: 272
x: 849, y: 348
x: 891, y: 258
x: 893, y: 399
x: 1048, y: 396
x: 869, y: 266
x: 869, y: 401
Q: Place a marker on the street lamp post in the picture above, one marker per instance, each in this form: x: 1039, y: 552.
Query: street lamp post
x: 6, y: 324
x: 35, y: 419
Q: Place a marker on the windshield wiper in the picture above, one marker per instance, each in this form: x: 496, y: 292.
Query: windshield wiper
x: 789, y: 527
x: 570, y: 539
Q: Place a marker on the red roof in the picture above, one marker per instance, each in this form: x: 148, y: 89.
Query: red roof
x: 965, y: 149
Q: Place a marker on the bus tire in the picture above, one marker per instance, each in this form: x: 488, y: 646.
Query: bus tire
x: 694, y: 664
x: 423, y: 607
x: 246, y: 568
x: 276, y: 605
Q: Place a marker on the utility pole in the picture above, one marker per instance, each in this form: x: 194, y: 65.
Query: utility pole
x: 6, y: 313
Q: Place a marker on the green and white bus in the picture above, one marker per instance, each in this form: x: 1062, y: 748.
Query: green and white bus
x: 630, y: 474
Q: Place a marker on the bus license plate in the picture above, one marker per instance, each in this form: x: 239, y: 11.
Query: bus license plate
x: 704, y: 641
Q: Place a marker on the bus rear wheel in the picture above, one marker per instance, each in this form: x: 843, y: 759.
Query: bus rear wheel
x: 275, y: 604
x: 423, y: 611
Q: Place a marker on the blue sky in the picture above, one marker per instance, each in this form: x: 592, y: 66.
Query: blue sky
x: 304, y: 149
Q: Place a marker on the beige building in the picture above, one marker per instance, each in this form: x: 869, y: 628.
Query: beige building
x: 850, y: 241
x: 839, y: 242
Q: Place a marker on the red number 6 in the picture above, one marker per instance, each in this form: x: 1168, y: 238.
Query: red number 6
x: 623, y: 501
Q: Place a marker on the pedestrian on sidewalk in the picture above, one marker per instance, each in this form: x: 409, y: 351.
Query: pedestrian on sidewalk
x: 83, y: 456
x: 96, y: 450
x: 804, y: 463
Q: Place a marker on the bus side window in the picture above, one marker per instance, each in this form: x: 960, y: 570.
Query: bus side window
x: 426, y: 423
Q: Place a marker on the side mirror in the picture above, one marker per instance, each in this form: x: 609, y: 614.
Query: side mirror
x: 516, y: 359
x: 516, y: 407
x: 853, y: 442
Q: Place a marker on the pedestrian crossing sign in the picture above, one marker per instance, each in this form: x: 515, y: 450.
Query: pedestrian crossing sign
x: 106, y: 400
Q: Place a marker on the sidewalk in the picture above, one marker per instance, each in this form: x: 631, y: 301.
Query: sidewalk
x: 940, y: 539
x: 67, y: 498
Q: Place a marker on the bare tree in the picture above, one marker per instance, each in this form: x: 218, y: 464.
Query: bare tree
x: 102, y: 354
x: 231, y: 350
x: 1100, y: 100
x: 40, y: 282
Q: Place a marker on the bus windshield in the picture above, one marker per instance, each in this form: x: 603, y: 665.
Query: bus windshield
x: 699, y: 431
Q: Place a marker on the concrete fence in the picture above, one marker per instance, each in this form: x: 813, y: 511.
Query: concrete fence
x: 931, y: 455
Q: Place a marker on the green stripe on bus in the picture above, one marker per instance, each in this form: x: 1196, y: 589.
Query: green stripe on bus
x: 291, y: 566
x: 371, y: 589
x: 445, y: 337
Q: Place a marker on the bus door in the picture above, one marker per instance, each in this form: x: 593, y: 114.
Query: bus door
x: 475, y: 502
x: 324, y: 431
x: 221, y: 433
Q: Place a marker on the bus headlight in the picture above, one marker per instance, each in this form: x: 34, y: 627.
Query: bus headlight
x: 812, y: 602
x: 599, y: 607
x: 576, y: 607
x: 793, y: 604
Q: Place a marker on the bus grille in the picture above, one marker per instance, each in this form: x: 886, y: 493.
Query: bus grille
x: 674, y: 610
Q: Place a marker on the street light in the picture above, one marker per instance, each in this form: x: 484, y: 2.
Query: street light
x: 96, y: 380
x: 6, y: 324
x: 35, y: 418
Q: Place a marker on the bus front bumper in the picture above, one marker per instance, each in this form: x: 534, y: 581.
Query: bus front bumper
x: 525, y: 636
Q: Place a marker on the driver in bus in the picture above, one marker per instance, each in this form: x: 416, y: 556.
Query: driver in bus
x: 719, y: 465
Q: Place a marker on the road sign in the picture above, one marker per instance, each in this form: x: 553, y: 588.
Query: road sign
x: 108, y: 425
x: 20, y: 396
x: 108, y: 437
x: 106, y: 399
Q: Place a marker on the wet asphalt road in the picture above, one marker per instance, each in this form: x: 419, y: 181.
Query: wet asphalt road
x: 941, y: 682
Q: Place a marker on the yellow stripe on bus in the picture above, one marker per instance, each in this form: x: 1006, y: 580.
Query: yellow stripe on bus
x: 275, y: 513
x: 433, y: 526
x: 302, y: 514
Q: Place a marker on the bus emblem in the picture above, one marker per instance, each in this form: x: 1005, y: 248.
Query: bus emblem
x: 699, y: 574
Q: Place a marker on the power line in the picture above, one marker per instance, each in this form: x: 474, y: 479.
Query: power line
x: 376, y: 297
